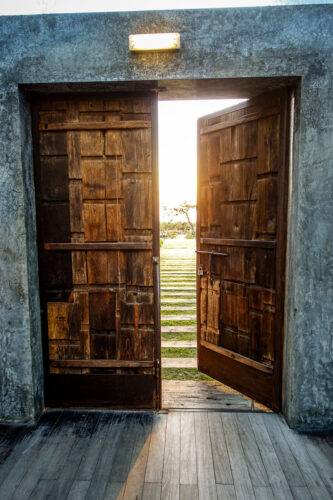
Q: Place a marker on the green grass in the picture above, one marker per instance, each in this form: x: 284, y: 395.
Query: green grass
x: 166, y: 296
x: 175, y: 311
x: 177, y: 279
x: 183, y: 374
x: 179, y: 352
x: 169, y: 322
x: 179, y: 336
x: 177, y: 304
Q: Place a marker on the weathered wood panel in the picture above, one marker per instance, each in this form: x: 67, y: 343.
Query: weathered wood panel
x: 241, y: 192
x: 95, y: 188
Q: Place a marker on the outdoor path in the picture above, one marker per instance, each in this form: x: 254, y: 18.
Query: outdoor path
x: 183, y: 386
x: 179, y: 455
x: 178, y: 275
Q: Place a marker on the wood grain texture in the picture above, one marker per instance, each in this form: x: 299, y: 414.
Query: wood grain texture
x: 94, y: 188
x: 242, y: 189
x: 171, y: 464
x: 242, y: 481
x: 105, y: 455
x: 206, y: 476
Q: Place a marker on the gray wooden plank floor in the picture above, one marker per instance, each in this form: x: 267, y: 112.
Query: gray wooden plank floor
x: 188, y: 455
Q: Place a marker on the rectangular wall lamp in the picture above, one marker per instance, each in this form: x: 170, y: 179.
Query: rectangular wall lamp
x: 154, y: 42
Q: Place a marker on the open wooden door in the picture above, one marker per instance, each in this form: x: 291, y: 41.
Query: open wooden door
x: 242, y: 203
x: 98, y: 236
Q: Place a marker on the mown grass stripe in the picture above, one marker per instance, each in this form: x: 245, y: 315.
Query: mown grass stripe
x: 179, y: 352
x: 179, y: 336
x: 183, y: 374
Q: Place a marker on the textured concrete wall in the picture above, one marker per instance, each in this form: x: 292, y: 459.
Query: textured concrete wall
x: 224, y: 43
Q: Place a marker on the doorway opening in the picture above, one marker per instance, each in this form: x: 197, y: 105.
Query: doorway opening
x: 183, y: 385
x: 96, y: 169
x: 218, y: 273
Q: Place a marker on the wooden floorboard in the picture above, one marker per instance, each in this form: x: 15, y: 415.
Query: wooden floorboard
x: 277, y: 478
x: 171, y: 463
x: 205, y: 465
x: 251, y: 451
x: 310, y: 473
x: 204, y: 395
x: 188, y: 463
x: 239, y: 469
x: 199, y: 455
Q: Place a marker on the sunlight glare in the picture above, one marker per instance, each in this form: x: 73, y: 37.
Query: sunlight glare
x: 178, y: 148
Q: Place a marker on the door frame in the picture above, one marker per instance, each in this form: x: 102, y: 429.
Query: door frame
x: 179, y: 89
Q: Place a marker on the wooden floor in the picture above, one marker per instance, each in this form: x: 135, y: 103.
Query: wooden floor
x: 176, y: 455
x: 205, y: 395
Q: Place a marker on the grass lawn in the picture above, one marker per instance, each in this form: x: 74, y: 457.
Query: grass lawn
x: 166, y: 296
x: 183, y: 374
x: 169, y: 322
x: 166, y: 303
x: 177, y: 311
x: 179, y: 336
x: 178, y: 352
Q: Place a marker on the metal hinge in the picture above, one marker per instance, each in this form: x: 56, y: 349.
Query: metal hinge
x: 156, y: 260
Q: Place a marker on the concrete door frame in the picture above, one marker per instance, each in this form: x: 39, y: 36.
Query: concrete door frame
x: 218, y: 44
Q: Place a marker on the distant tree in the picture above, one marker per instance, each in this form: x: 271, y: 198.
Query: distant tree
x: 183, y: 210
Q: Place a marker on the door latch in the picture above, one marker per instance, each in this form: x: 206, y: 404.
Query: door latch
x: 200, y: 271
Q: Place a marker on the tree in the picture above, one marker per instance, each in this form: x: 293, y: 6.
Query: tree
x: 183, y: 210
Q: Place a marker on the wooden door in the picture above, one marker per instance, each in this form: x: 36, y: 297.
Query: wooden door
x: 98, y: 236
x: 242, y: 191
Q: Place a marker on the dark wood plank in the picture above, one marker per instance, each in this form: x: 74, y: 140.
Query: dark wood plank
x: 101, y: 363
x: 238, y: 357
x: 100, y: 390
x: 244, y: 119
x: 25, y: 453
x: 124, y: 124
x: 38, y: 468
x: 114, y: 491
x: 100, y: 478
x: 239, y: 242
x: 121, y: 464
x: 78, y: 490
x: 98, y: 246
x: 242, y: 191
x: 71, y: 423
x: 44, y: 489
x: 11, y: 437
x: 89, y: 460
x: 135, y: 480
x: 78, y: 450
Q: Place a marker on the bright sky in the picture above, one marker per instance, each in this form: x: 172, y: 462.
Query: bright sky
x: 13, y: 7
x: 177, y: 148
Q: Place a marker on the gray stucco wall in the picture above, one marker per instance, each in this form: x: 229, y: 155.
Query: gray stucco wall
x: 224, y: 43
